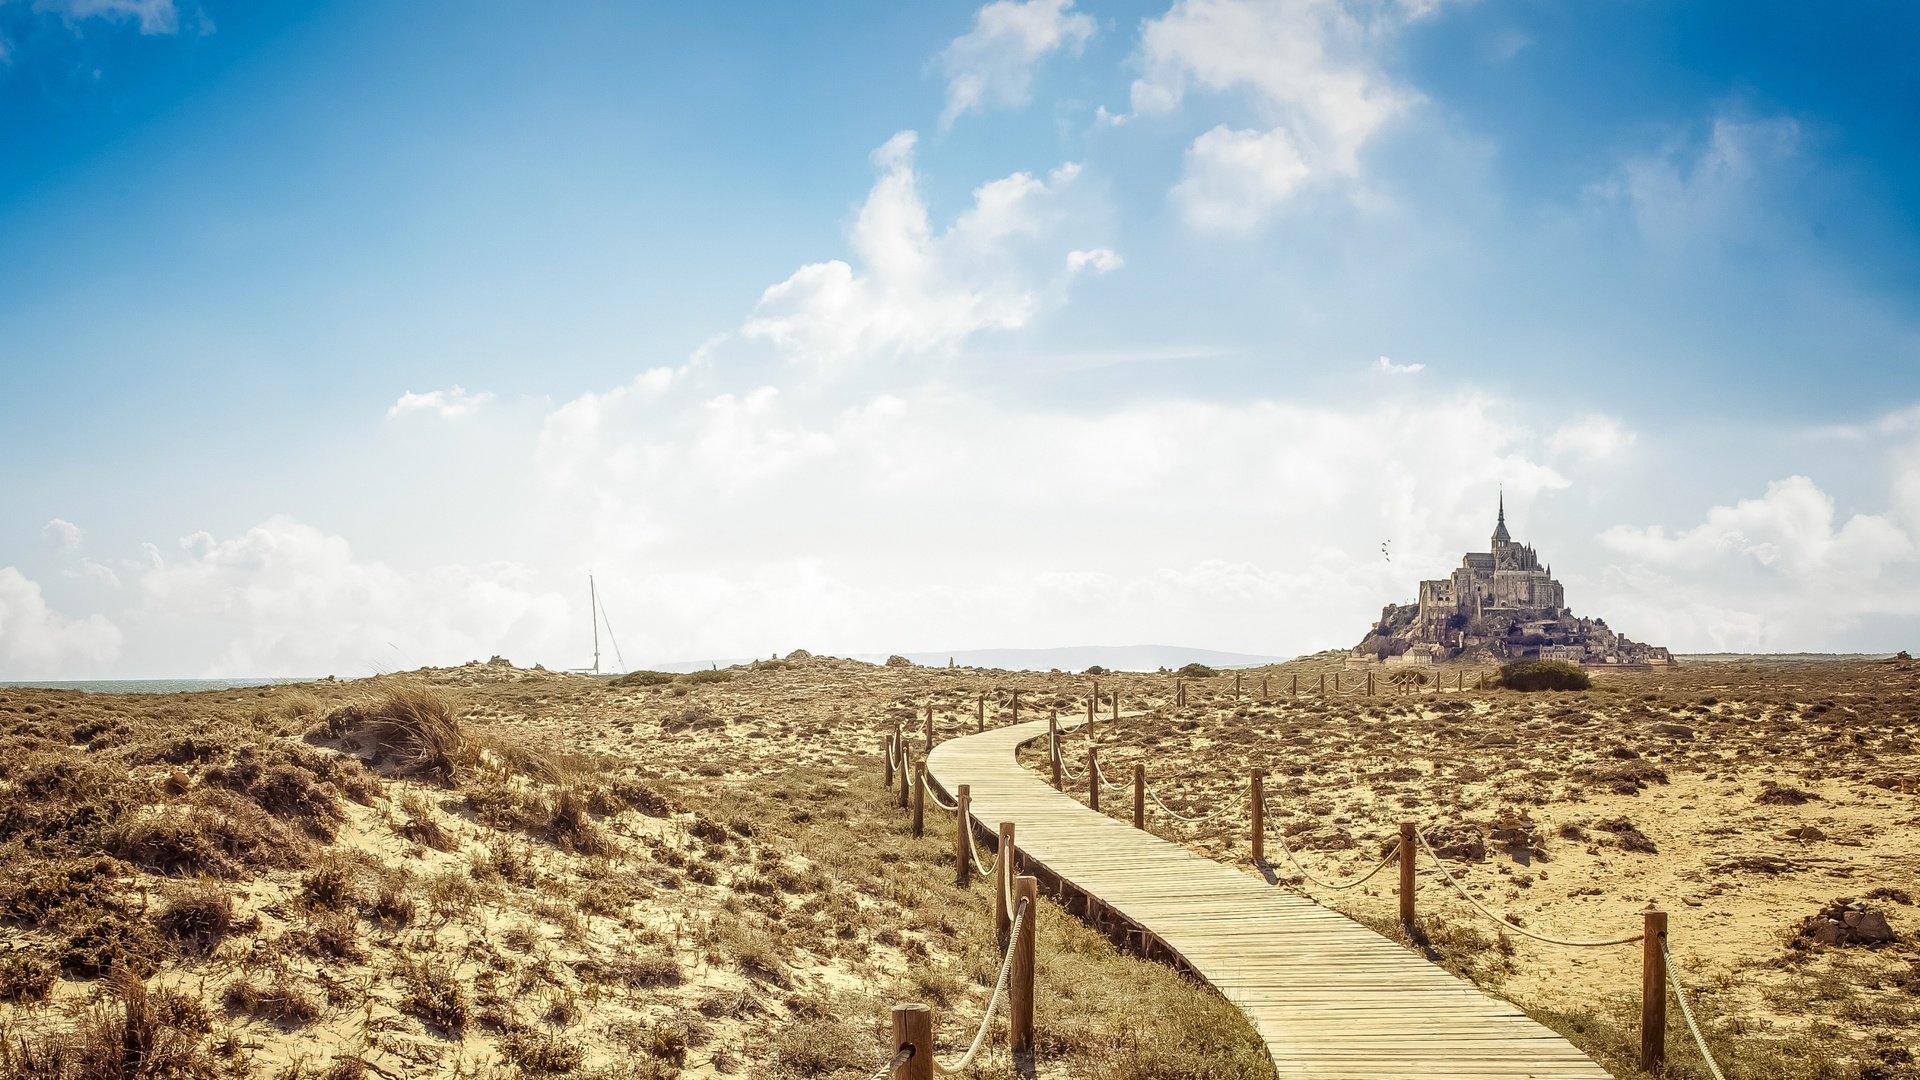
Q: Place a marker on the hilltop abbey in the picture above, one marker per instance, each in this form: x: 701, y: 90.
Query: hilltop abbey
x: 1497, y: 605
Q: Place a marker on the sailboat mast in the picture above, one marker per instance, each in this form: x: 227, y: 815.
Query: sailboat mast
x: 593, y: 614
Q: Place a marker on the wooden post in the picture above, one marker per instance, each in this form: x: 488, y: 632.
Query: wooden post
x: 980, y: 712
x: 1016, y: 706
x: 1263, y: 689
x: 1089, y: 719
x: 929, y: 727
x: 1116, y: 706
x: 1653, y: 993
x: 1053, y: 744
x: 1139, y: 795
x: 1093, y: 778
x: 889, y: 751
x: 919, y: 799
x: 1483, y: 680
x: 1236, y: 686
x: 1179, y: 692
x: 913, y: 1026
x: 1002, y: 877
x: 1295, y: 692
x: 1408, y: 847
x: 1323, y: 684
x: 1336, y: 682
x: 1369, y: 684
x: 906, y: 756
x: 962, y: 837
x: 1257, y: 799
x: 1020, y: 1015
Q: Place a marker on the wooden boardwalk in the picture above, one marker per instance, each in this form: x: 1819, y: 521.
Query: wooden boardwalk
x: 1330, y: 997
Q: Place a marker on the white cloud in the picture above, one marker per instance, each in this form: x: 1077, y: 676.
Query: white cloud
x: 918, y: 291
x: 1098, y: 260
x: 62, y: 533
x: 37, y: 642
x: 447, y: 404
x: 1715, y: 187
x: 1310, y: 68
x: 1386, y: 366
x: 96, y: 572
x: 1234, y: 180
x: 154, y: 16
x: 871, y: 504
x: 1592, y: 437
x: 1776, y: 572
x: 284, y: 598
x: 993, y: 63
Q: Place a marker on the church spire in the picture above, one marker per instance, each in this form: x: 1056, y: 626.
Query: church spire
x: 1500, y: 528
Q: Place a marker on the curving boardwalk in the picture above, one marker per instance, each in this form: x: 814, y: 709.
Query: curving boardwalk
x: 1330, y: 997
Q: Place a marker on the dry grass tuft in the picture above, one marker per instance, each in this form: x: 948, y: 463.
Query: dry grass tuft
x: 411, y: 731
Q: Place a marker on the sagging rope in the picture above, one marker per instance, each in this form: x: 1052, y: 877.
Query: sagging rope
x: 973, y: 852
x: 950, y: 807
x: 1392, y: 854
x: 900, y: 1057
x: 1171, y: 812
x: 993, y: 1003
x: 1064, y: 770
x: 1686, y: 1011
x: 1457, y: 887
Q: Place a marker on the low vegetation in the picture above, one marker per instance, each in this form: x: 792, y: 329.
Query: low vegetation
x: 490, y: 873
x: 1768, y: 807
x: 1531, y: 675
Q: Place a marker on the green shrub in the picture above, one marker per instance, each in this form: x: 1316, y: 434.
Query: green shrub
x: 1529, y: 675
x: 1196, y: 671
x: 643, y: 678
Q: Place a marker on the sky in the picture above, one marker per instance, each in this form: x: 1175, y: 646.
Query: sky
x: 349, y: 337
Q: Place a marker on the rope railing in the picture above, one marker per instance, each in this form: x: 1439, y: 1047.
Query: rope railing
x: 984, y: 869
x: 1393, y: 854
x: 933, y: 793
x: 1065, y: 770
x: 1175, y: 814
x: 1484, y: 910
x: 993, y: 1003
x: 1686, y: 1013
x: 900, y: 1057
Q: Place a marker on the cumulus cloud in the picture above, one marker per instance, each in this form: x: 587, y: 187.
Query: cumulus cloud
x: 38, y: 642
x: 917, y: 290
x: 1781, y: 571
x: 1386, y: 366
x: 993, y: 64
x: 1308, y: 66
x: 447, y: 404
x: 62, y: 533
x: 285, y: 598
x: 1234, y: 180
x: 1098, y: 260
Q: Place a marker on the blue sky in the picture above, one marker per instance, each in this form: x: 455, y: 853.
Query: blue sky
x: 339, y: 337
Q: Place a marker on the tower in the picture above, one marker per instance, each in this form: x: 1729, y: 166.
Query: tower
x: 1500, y: 527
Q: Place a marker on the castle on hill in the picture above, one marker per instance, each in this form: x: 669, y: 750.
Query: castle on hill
x: 1502, y: 604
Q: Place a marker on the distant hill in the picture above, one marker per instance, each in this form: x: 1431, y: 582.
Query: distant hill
x: 1081, y: 657
x: 1066, y: 658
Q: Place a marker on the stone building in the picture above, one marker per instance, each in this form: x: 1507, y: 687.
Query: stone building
x: 1497, y: 605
